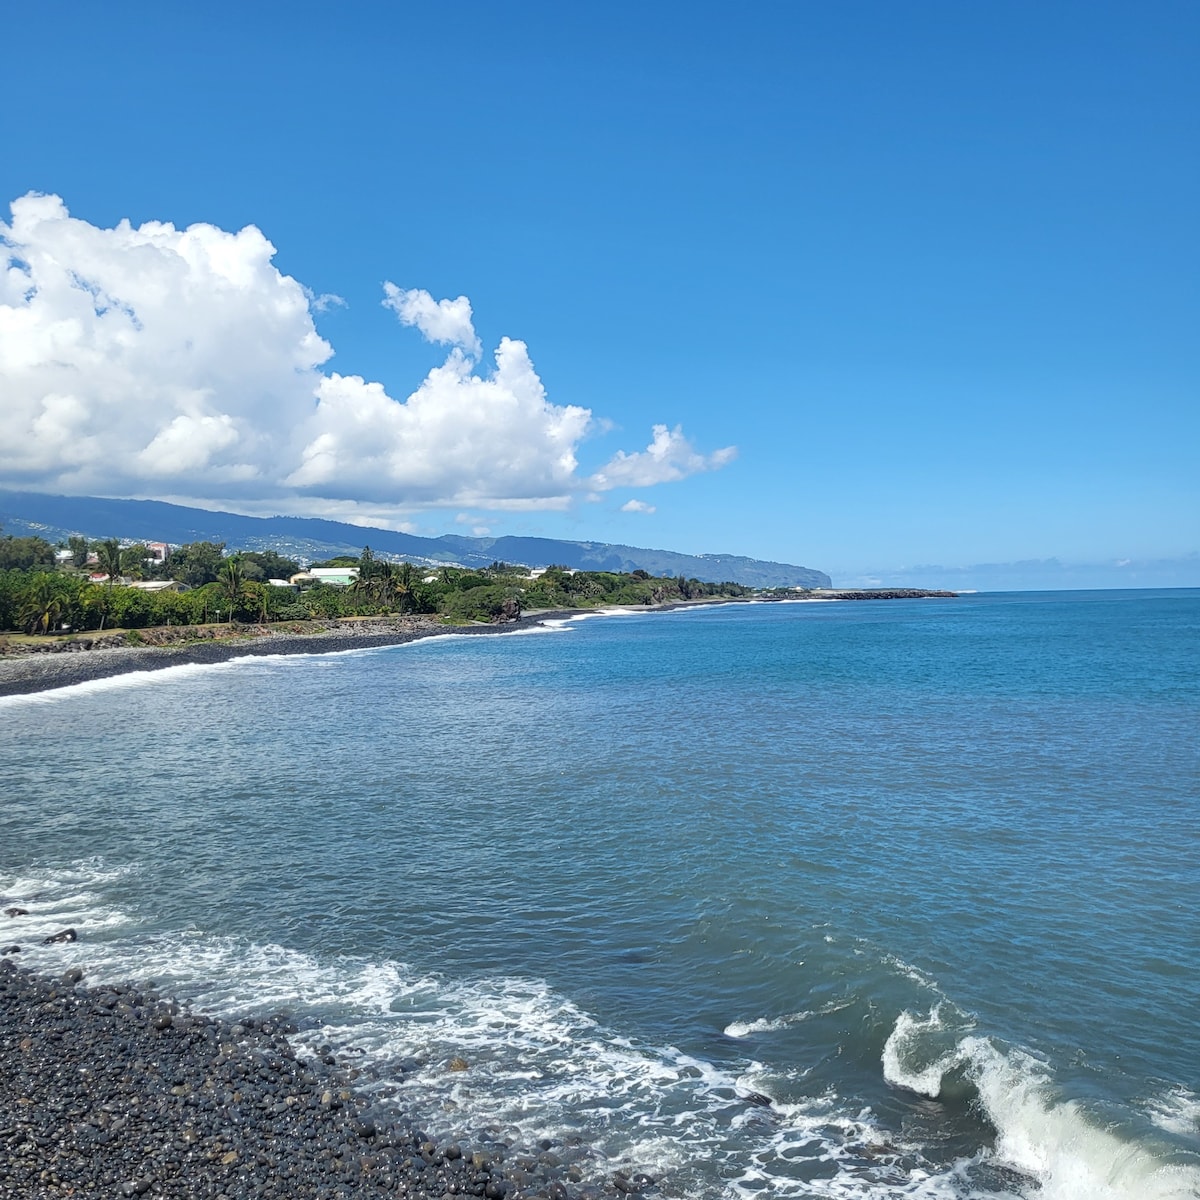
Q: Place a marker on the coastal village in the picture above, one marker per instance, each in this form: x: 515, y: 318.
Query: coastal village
x: 86, y: 587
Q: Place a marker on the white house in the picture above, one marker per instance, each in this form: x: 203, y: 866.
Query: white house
x: 339, y: 576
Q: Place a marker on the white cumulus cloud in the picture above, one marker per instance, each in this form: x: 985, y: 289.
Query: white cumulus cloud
x: 669, y: 457
x: 638, y: 506
x: 128, y: 354
x: 445, y: 321
x: 158, y: 361
x: 462, y: 438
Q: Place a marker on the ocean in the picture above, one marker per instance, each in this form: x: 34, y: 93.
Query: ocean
x: 890, y: 899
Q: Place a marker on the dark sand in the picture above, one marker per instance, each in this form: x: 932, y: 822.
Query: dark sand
x: 21, y: 674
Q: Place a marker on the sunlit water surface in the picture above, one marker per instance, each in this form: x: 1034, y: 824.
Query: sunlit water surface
x: 921, y: 874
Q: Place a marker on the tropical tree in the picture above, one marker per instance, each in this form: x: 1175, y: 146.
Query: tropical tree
x: 25, y: 553
x: 196, y: 563
x: 98, y: 599
x: 381, y: 583
x: 43, y: 603
x: 256, y: 597
x: 324, y: 600
x: 79, y: 551
x: 108, y: 559
x: 134, y: 560
x: 271, y: 564
x: 365, y: 582
x: 131, y: 608
x: 233, y: 581
x: 404, y: 585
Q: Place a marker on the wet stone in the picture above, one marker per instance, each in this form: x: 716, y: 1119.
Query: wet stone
x: 110, y: 1091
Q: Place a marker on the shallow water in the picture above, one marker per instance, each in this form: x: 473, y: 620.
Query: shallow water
x: 921, y: 873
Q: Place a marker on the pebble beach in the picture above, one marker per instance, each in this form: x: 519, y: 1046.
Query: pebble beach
x: 117, y: 1091
x: 22, y: 674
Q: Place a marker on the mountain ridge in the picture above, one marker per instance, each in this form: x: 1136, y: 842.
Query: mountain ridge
x: 56, y: 517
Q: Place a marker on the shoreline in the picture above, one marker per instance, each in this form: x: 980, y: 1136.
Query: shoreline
x: 45, y: 671
x: 28, y: 674
x: 116, y: 1090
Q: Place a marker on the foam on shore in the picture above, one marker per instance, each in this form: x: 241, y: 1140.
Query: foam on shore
x: 541, y: 1065
x: 1054, y: 1140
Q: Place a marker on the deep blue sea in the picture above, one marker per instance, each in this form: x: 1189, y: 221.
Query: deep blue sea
x: 924, y: 875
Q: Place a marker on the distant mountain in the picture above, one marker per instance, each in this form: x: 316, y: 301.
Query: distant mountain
x: 57, y: 517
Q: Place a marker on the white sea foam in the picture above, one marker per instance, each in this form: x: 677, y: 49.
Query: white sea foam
x: 184, y: 671
x: 1177, y: 1111
x: 539, y: 1065
x: 71, y: 898
x: 1039, y: 1133
x: 117, y: 683
x: 915, y: 1059
x: 914, y: 973
x: 181, y: 673
x: 743, y: 1029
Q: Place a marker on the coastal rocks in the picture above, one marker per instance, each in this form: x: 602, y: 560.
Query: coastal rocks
x: 116, y: 1091
x: 63, y: 935
x: 885, y: 594
x: 16, y: 912
x: 510, y: 610
x: 27, y: 668
x: 631, y: 1185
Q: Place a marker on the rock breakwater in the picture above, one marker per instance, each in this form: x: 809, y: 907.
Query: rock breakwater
x: 117, y: 1091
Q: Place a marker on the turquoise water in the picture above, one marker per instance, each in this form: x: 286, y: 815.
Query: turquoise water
x: 921, y: 874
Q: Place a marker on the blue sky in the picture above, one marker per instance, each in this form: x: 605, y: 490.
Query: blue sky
x: 931, y: 268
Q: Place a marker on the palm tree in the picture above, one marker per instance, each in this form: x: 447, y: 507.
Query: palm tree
x: 363, y: 585
x: 233, y: 581
x: 134, y: 560
x: 108, y: 558
x: 43, y: 603
x: 99, y: 598
x: 404, y: 584
x: 383, y: 584
x: 264, y: 602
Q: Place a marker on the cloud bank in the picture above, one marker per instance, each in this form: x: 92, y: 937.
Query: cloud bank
x: 162, y: 361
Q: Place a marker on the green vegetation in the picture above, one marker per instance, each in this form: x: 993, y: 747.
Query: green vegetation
x: 89, y: 588
x: 24, y: 554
